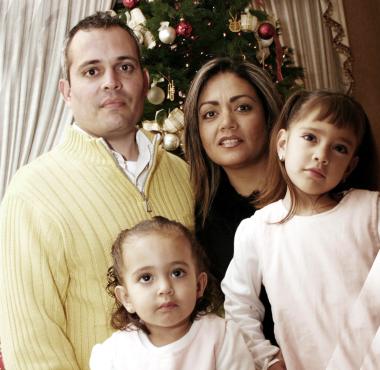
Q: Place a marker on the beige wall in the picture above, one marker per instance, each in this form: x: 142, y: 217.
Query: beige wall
x: 363, y: 23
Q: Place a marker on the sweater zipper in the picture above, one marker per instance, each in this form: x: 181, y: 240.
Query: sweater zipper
x: 148, y: 208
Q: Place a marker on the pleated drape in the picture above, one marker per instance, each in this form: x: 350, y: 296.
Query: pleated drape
x: 32, y: 113
x: 305, y: 30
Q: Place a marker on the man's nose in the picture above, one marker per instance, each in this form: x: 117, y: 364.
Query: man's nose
x: 111, y: 81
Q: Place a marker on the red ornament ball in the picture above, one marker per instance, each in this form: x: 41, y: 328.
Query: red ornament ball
x: 266, y: 31
x: 184, y: 29
x: 130, y: 4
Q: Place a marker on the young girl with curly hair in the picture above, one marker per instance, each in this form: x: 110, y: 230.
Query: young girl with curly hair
x: 165, y: 305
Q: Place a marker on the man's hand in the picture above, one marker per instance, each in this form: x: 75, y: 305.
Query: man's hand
x: 279, y: 365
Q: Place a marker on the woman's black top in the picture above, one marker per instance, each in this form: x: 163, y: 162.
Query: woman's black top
x: 228, y: 209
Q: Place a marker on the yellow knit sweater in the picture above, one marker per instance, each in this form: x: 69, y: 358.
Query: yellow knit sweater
x: 58, y: 220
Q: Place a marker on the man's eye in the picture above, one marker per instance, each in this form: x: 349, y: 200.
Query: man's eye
x: 145, y: 278
x: 91, y: 72
x: 178, y: 273
x: 126, y: 68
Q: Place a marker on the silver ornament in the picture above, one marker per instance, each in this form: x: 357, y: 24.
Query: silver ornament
x: 156, y: 95
x: 167, y: 35
x: 171, y: 142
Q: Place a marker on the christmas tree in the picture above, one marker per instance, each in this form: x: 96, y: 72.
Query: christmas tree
x: 178, y: 37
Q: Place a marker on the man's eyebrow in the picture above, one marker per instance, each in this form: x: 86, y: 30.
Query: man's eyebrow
x: 89, y: 62
x: 97, y: 61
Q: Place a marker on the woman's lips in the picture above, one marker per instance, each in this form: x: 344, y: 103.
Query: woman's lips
x: 229, y: 142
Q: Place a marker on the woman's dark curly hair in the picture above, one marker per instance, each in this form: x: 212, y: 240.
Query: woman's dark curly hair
x: 211, y: 300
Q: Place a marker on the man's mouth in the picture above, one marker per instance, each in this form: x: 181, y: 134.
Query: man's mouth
x: 112, y: 103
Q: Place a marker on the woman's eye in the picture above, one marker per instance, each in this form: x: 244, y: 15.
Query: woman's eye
x: 309, y: 137
x: 145, y: 278
x: 340, y: 148
x: 208, y: 115
x: 244, y: 108
x: 178, y: 273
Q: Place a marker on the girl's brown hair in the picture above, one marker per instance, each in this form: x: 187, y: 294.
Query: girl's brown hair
x: 121, y: 319
x: 339, y: 110
x: 204, y: 173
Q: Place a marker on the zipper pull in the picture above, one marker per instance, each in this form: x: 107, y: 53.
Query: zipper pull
x: 148, y: 208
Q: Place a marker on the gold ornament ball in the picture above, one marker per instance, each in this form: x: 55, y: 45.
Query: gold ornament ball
x: 171, y: 142
x: 167, y: 35
x: 156, y: 95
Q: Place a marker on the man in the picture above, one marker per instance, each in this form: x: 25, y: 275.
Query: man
x: 62, y: 212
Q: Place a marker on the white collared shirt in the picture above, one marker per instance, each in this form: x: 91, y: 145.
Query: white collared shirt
x: 137, y: 171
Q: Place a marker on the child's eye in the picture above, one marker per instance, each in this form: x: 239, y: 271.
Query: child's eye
x: 145, y: 278
x: 178, y: 273
x: 340, y: 148
x: 309, y: 137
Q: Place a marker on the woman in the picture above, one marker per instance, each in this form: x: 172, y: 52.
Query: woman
x: 229, y: 111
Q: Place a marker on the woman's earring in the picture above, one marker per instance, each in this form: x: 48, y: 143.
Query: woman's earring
x: 281, y: 157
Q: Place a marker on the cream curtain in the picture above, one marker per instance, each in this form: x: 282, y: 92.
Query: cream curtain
x: 306, y: 31
x: 32, y: 114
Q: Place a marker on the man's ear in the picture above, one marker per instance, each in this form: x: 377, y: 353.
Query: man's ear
x: 201, y: 284
x: 121, y: 294
x: 351, y: 166
x: 65, y: 90
x: 282, y: 139
x: 146, y: 79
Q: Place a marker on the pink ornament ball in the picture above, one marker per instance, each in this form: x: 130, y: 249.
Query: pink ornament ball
x: 130, y: 4
x: 184, y: 29
x: 266, y: 31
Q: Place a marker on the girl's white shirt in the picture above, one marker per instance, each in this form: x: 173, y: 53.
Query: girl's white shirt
x: 210, y: 344
x: 313, y: 269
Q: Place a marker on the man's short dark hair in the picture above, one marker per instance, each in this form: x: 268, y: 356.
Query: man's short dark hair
x: 98, y: 20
